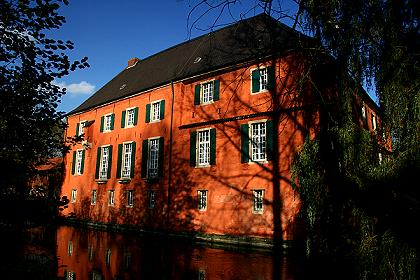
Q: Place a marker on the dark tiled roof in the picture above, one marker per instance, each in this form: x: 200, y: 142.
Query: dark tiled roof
x: 243, y: 41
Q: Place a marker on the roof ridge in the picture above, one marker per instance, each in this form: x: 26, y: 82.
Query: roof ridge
x: 202, y: 36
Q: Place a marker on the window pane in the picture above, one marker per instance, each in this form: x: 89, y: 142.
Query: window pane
x: 130, y: 117
x: 127, y: 153
x: 111, y: 198
x: 202, y: 200
x: 258, y: 141
x: 263, y: 79
x: 258, y: 200
x: 207, y: 92
x: 107, y: 123
x: 93, y: 201
x: 153, y: 158
x: 155, y: 111
x: 152, y: 199
x: 203, y: 147
x: 130, y: 198
x: 79, y: 156
x: 103, y: 173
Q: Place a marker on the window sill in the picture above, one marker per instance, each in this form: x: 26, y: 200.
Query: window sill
x: 124, y: 180
x: 258, y: 212
x: 206, y: 103
x: 101, y: 181
x: 203, y: 166
x: 151, y: 179
x: 258, y: 92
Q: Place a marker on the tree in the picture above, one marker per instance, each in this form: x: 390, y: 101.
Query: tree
x: 30, y: 125
x: 357, y: 211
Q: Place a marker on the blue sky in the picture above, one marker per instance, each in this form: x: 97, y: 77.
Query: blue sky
x: 109, y: 33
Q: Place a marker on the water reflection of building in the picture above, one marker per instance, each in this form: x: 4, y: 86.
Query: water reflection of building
x: 199, y: 139
x: 102, y: 255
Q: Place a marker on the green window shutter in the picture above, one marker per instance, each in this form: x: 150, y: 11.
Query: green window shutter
x: 216, y: 87
x: 213, y: 146
x: 77, y: 129
x: 123, y: 119
x: 98, y: 162
x: 160, y: 158
x: 197, y: 94
x: 255, y: 75
x: 244, y: 143
x: 73, y: 164
x: 108, y: 173
x: 271, y: 78
x: 133, y: 159
x: 162, y: 109
x: 147, y: 113
x: 112, y: 121
x: 144, y: 158
x: 136, y: 115
x: 270, y: 139
x: 102, y: 124
x: 119, y: 160
x: 193, y: 147
x: 82, y: 165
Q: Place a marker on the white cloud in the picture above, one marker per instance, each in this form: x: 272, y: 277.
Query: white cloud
x: 82, y: 88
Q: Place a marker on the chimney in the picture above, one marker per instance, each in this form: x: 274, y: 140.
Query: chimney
x: 132, y: 62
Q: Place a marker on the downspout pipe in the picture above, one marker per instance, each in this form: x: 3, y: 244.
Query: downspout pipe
x: 170, y: 154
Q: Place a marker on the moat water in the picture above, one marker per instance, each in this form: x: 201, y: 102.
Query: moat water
x: 66, y: 252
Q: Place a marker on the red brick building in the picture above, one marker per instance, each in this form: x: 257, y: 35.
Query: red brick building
x: 200, y: 137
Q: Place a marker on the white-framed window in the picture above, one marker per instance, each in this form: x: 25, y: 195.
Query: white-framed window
x: 104, y: 163
x: 70, y: 275
x: 129, y: 115
x: 202, y: 200
x: 260, y: 78
x: 127, y: 160
x: 108, y: 257
x: 79, y: 162
x: 73, y: 195
x: 153, y: 158
x: 374, y: 124
x: 203, y: 147
x: 363, y: 111
x: 94, y: 197
x: 80, y: 128
x: 207, y: 92
x: 127, y: 260
x: 258, y: 205
x: 108, y: 122
x: 201, y: 274
x: 151, y: 198
x: 91, y: 252
x: 70, y: 248
x: 258, y: 143
x: 155, y: 111
x: 130, y: 198
x: 111, y: 198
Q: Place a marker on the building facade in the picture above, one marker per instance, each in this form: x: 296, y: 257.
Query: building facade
x: 199, y: 138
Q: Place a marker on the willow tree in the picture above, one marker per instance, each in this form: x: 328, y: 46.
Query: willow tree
x: 357, y: 212
x: 355, y: 208
x: 30, y: 125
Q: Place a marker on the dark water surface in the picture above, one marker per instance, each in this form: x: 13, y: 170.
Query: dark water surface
x: 72, y: 253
